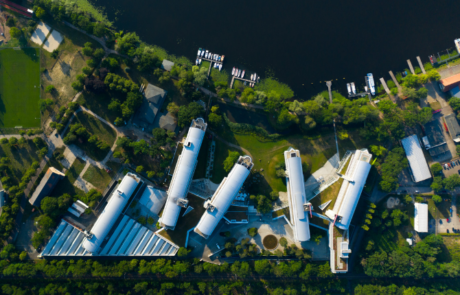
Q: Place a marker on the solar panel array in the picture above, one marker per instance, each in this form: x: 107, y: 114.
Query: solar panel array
x: 130, y: 238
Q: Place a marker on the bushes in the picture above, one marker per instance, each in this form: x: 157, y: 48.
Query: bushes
x: 257, y: 131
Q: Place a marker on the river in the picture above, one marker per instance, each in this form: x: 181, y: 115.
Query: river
x: 301, y: 42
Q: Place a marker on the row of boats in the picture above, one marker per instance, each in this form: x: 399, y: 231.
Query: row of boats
x: 216, y: 65
x: 208, y: 55
x: 370, y: 82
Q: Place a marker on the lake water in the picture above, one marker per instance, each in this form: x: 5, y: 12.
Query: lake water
x: 301, y: 42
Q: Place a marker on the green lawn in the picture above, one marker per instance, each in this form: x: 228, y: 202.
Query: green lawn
x: 65, y: 185
x: 185, y: 223
x: 96, y: 127
x: 329, y: 193
x: 21, y: 158
x: 314, y: 151
x: 19, y: 88
x: 98, y: 177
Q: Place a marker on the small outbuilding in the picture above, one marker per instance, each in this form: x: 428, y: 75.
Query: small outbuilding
x: 167, y: 65
x: 421, y: 217
x: 46, y: 186
x: 151, y: 105
x: 452, y: 125
x: 449, y: 83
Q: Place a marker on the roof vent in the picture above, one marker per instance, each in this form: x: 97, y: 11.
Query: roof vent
x: 182, y: 202
x: 209, y: 206
x: 120, y: 192
x: 188, y: 144
x: 293, y: 155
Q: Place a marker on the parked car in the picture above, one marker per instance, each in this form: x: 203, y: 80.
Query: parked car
x: 447, y: 220
x: 447, y: 231
x: 440, y: 221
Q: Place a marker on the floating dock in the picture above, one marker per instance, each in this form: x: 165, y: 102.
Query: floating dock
x: 411, y: 67
x: 394, y: 80
x: 241, y: 79
x: 420, y: 64
x: 385, y: 86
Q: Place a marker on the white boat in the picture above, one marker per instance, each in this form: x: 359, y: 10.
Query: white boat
x: 236, y: 72
x: 233, y: 71
x: 365, y: 88
x: 218, y: 58
x: 349, y: 88
x: 457, y: 44
x: 239, y: 73
x: 202, y: 53
x: 199, y: 52
x: 242, y: 75
x: 370, y: 82
x: 216, y: 65
x: 255, y: 77
x: 353, y: 88
x: 258, y: 79
x: 252, y: 77
x: 223, y: 56
x: 220, y: 67
x: 199, y: 61
x: 206, y: 55
x: 252, y: 84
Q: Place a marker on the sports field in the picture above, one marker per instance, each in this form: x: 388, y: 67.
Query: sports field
x: 19, y: 88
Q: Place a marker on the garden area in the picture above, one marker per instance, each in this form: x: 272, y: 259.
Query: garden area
x: 98, y: 177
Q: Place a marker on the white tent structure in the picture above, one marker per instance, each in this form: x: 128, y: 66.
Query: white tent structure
x: 298, y: 205
x: 421, y: 217
x: 218, y: 205
x: 111, y: 212
x: 417, y: 161
x: 352, y: 187
x: 183, y: 173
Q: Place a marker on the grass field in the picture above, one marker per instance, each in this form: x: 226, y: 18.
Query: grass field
x: 19, y: 88
x: 98, y: 177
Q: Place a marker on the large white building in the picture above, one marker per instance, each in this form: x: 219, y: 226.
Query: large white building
x: 111, y: 212
x: 417, y: 162
x: 351, y: 189
x: 183, y: 173
x: 298, y: 205
x: 218, y: 205
x: 421, y: 217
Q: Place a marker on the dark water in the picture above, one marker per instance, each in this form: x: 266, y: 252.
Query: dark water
x: 302, y: 42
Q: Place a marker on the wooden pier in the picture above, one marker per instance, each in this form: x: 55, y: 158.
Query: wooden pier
x: 420, y: 64
x: 394, y: 80
x: 241, y: 79
x: 385, y: 86
x: 361, y: 94
x: 411, y: 68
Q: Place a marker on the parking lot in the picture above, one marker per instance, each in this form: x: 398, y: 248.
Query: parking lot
x: 452, y: 169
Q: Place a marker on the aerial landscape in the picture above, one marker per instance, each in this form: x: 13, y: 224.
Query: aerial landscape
x: 192, y: 147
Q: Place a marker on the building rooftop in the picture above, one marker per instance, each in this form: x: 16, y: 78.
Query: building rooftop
x: 298, y: 204
x: 167, y: 65
x: 351, y: 189
x: 151, y: 106
x: 452, y: 125
x: 421, y: 217
x: 183, y: 173
x: 112, y: 211
x: 450, y: 82
x: 46, y: 185
x: 417, y: 161
x: 218, y: 205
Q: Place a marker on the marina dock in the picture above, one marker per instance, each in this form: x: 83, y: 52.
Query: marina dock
x: 385, y: 86
x: 420, y: 64
x: 394, y: 80
x: 411, y: 68
x: 241, y: 79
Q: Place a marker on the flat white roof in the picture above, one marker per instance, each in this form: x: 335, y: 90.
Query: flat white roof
x: 223, y: 197
x: 153, y: 199
x: 417, y: 161
x: 296, y: 195
x: 421, y: 217
x: 112, y: 210
x: 183, y: 173
x: 356, y: 175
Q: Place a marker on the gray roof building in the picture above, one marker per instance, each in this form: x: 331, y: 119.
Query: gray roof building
x: 46, y: 185
x: 454, y: 128
x: 167, y: 65
x: 433, y: 130
x: 151, y: 106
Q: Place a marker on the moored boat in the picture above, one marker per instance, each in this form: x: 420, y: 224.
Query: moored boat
x: 223, y: 56
x: 371, y: 83
x: 233, y: 71
x: 242, y: 74
x: 239, y: 73
x: 349, y: 88
x: 199, y: 52
x: 220, y: 67
x: 353, y: 88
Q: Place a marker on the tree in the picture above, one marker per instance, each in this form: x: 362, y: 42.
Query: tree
x: 283, y: 242
x: 434, y: 75
x: 23, y: 256
x: 49, y: 205
x: 252, y: 231
x: 91, y: 63
x: 436, y: 199
x: 189, y: 112
x: 150, y: 174
x: 437, y: 184
x: 173, y: 108
x: 139, y: 169
x: 86, y: 70
x: 230, y: 160
x: 15, y: 32
x: 262, y: 267
x: 50, y: 88
x: 199, y: 75
x: 11, y: 21
x: 88, y: 51
x: 183, y: 252
x: 436, y: 168
x: 55, y: 53
x: 77, y: 85
x: 99, y: 53
x: 39, y: 12
x: 215, y: 119
x: 451, y: 182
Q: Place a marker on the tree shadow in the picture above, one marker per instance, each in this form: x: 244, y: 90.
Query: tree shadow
x: 65, y: 68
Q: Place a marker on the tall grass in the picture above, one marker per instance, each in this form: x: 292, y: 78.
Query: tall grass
x: 86, y: 6
x: 271, y: 84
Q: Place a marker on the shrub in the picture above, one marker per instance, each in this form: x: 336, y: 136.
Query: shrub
x: 252, y: 231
